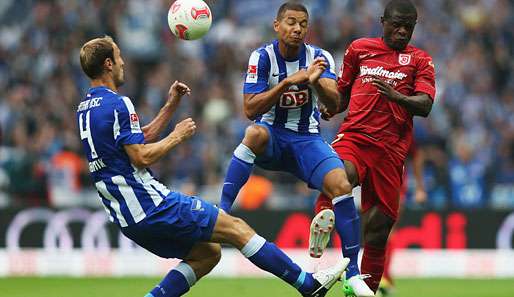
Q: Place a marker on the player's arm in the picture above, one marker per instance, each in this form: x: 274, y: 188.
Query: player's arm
x: 153, y: 129
x: 347, y: 74
x: 324, y: 80
x: 420, y: 104
x: 260, y: 103
x: 144, y: 155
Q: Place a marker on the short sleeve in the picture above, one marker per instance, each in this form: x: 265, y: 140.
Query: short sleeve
x: 330, y: 72
x: 425, y: 76
x: 257, y: 76
x: 127, y: 129
x: 349, y: 69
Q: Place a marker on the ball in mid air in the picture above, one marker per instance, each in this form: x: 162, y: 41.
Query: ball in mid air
x: 189, y: 19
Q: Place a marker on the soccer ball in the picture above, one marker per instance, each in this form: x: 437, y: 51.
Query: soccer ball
x: 189, y: 19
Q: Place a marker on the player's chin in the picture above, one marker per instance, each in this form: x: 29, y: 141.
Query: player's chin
x: 293, y: 42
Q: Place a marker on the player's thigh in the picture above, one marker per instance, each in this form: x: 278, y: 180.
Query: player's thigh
x: 311, y: 159
x: 383, y: 187
x: 231, y: 230
x: 175, y: 226
x: 257, y: 138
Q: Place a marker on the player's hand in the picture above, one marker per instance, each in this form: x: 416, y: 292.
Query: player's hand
x: 325, y: 114
x: 299, y: 78
x: 177, y: 90
x: 185, y: 129
x: 316, y: 69
x: 387, y: 90
x: 420, y: 196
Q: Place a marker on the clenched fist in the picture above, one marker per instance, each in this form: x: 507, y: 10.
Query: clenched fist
x: 185, y: 129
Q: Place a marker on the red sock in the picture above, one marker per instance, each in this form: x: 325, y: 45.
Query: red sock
x: 387, y: 265
x: 373, y: 261
x: 323, y: 202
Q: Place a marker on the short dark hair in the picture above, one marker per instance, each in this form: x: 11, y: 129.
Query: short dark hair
x: 291, y: 5
x: 401, y: 6
x: 93, y: 54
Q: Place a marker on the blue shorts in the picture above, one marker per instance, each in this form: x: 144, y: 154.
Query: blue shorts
x: 306, y: 156
x: 174, y: 226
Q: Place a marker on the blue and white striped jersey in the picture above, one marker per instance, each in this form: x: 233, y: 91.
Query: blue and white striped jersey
x: 106, y: 122
x: 297, y: 108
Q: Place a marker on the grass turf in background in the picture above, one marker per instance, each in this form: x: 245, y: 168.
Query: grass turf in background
x: 216, y: 287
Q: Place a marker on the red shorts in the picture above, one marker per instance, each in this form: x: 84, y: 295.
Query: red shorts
x: 380, y: 171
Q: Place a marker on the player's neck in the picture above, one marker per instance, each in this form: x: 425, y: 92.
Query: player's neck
x: 104, y: 82
x: 288, y: 52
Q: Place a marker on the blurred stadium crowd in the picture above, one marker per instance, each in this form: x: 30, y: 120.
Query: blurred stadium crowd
x: 468, y: 140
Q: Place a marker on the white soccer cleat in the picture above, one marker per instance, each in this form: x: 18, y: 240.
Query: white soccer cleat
x: 321, y: 227
x: 357, y: 287
x: 327, y: 278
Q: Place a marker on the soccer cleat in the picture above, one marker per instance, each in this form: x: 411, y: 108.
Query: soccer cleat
x: 356, y: 287
x: 321, y: 227
x: 326, y: 278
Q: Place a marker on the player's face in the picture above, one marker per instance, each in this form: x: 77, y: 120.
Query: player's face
x: 117, y: 68
x: 291, y: 29
x: 398, y: 29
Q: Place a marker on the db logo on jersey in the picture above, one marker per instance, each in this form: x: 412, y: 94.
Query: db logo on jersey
x: 294, y: 99
x: 404, y: 59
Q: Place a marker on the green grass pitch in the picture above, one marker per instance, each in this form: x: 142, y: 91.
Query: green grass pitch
x: 215, y: 287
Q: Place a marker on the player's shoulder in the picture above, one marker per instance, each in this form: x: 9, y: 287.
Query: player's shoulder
x: 263, y: 49
x: 417, y: 53
x: 316, y: 49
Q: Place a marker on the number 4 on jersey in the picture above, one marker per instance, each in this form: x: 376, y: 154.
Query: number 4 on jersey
x: 86, y: 133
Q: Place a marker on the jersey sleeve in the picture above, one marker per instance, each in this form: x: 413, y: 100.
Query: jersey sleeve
x: 126, y: 124
x: 349, y: 69
x: 425, y: 76
x: 257, y: 76
x: 330, y: 72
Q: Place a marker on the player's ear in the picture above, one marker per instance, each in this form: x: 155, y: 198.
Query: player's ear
x: 382, y: 20
x: 108, y: 63
x: 276, y: 24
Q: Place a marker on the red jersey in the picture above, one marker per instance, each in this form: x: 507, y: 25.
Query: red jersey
x: 409, y: 71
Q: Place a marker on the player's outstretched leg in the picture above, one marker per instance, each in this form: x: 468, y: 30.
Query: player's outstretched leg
x: 241, y: 164
x: 347, y: 225
x: 201, y: 260
x: 269, y: 257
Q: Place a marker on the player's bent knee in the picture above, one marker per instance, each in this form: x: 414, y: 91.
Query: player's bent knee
x: 336, y: 184
x: 256, y: 138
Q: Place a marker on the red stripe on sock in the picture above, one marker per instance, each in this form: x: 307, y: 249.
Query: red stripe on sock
x: 323, y: 202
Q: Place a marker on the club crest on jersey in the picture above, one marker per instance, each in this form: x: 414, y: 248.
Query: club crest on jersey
x: 404, y: 59
x: 294, y: 98
x: 251, y: 74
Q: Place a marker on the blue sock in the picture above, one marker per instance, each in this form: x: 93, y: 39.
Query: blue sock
x: 176, y: 283
x: 270, y: 258
x: 238, y: 173
x: 348, y: 227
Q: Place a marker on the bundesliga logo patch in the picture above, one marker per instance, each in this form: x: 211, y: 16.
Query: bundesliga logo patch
x: 134, y: 121
x: 251, y: 75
